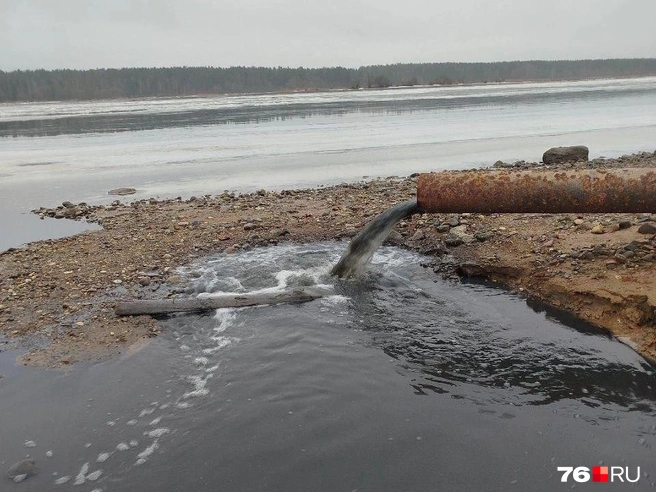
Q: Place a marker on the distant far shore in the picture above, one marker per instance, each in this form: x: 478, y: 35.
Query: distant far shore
x: 131, y: 83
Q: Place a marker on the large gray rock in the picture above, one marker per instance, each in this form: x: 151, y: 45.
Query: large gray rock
x: 22, y: 470
x: 558, y: 155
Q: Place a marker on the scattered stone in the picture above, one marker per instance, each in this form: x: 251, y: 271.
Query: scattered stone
x: 68, y: 204
x: 625, y: 224
x: 144, y: 281
x: 395, y: 238
x: 578, y: 222
x: 560, y: 155
x: 647, y: 228
x: 453, y: 240
x: 598, y: 229
x: 174, y: 280
x: 418, y: 236
x: 453, y: 221
x: 442, y: 228
x: 483, y: 236
x: 249, y: 226
x: 122, y: 191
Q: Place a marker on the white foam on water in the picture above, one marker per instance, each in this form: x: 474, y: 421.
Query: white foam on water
x: 132, y: 422
x: 146, y: 411
x: 201, y: 361
x: 334, y: 300
x: 19, y: 478
x: 29, y: 444
x: 81, y: 476
x: 63, y: 480
x: 157, y: 432
x: 200, y: 384
x: 226, y: 317
x: 102, y: 457
x: 394, y: 257
x: 134, y: 443
x: 221, y: 342
x: 121, y: 446
x: 155, y: 421
x: 145, y: 454
x: 93, y: 476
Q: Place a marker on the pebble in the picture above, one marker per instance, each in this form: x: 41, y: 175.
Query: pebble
x: 418, y: 236
x: 598, y: 229
x: 453, y: 240
x: 483, y: 236
x: 647, y: 228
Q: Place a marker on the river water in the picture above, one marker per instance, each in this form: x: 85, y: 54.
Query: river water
x: 77, y: 151
x: 396, y: 382
x: 399, y: 381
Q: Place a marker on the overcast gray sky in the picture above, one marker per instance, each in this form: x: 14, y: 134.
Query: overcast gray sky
x: 127, y: 33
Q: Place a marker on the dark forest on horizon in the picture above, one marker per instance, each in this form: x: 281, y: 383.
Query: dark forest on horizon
x: 56, y: 85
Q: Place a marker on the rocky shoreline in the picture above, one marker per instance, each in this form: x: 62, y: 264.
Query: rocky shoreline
x: 57, y: 297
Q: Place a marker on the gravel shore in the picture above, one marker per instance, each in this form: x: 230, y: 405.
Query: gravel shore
x: 57, y: 297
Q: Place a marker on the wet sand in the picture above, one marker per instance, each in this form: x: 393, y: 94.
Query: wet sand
x: 57, y: 297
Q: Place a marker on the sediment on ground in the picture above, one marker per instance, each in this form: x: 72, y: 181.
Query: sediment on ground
x: 57, y: 297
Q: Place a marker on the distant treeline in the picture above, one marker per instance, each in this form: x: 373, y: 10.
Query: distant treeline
x: 54, y: 85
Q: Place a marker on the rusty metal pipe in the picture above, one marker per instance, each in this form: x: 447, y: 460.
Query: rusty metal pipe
x: 538, y: 191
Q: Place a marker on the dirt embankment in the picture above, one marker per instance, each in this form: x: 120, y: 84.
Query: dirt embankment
x: 58, y: 296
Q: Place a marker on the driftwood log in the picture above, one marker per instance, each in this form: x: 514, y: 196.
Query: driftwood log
x: 178, y: 305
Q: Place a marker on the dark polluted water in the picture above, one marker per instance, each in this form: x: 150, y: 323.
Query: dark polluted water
x: 400, y: 381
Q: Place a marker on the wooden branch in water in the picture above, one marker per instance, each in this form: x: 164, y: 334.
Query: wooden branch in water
x: 165, y: 306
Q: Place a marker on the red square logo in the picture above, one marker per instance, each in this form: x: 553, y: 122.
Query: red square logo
x: 600, y: 474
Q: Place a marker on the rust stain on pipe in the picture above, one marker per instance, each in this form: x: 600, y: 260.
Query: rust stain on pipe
x: 538, y: 191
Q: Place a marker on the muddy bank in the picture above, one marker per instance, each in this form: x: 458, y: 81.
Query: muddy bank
x: 57, y: 297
